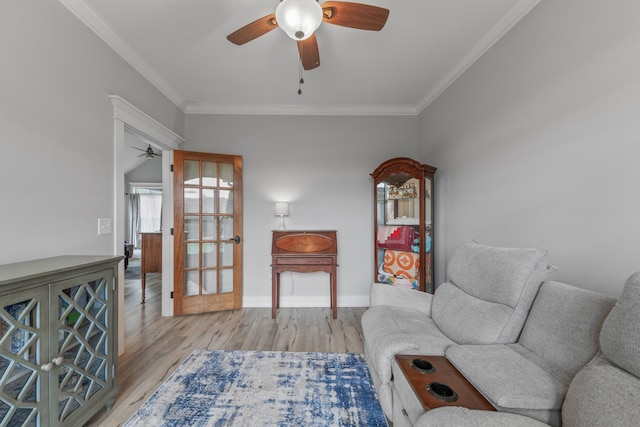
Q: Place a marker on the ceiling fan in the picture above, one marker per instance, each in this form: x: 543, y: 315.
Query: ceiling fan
x: 300, y: 18
x: 148, y: 153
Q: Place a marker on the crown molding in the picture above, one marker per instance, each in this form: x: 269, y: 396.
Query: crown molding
x: 508, y: 21
x: 91, y: 19
x: 301, y: 110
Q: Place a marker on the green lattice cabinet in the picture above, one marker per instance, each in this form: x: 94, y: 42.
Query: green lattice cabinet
x: 58, y: 340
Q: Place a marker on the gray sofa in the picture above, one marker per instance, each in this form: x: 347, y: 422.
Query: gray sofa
x: 605, y: 392
x: 531, y: 377
x: 518, y: 336
x: 486, y: 300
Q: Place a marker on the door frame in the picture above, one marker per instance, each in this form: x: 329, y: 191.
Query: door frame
x: 127, y: 117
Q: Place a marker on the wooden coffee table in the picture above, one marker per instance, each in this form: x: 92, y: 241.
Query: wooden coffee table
x: 435, y: 383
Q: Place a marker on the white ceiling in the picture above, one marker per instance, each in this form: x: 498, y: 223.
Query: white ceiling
x: 181, y: 47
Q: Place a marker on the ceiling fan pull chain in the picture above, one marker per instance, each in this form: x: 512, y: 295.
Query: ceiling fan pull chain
x: 301, y: 81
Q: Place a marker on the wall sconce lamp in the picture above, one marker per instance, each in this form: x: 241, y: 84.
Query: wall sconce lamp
x: 282, y: 210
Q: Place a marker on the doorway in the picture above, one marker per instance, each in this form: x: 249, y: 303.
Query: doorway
x: 128, y: 118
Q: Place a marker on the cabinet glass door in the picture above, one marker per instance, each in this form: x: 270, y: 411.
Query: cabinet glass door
x: 20, y: 356
x: 398, y: 231
x: 428, y: 233
x: 84, y: 359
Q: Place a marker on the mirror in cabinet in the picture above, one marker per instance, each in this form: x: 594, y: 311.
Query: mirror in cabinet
x: 403, y: 218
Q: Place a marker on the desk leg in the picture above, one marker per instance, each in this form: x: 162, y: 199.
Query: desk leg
x: 275, y: 292
x: 334, y: 297
x: 143, y: 282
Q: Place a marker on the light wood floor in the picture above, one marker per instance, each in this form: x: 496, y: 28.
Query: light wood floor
x: 156, y: 345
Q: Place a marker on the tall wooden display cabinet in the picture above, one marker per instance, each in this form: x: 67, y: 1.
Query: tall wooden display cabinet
x: 403, y: 224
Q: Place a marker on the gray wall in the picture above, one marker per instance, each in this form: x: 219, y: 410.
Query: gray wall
x: 321, y: 166
x: 56, y: 122
x: 538, y: 143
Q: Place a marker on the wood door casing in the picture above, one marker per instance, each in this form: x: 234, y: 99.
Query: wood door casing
x: 203, y: 237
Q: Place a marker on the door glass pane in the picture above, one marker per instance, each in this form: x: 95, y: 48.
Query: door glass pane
x: 226, y: 201
x: 226, y: 254
x: 226, y: 280
x: 209, y: 255
x: 192, y: 283
x: 192, y: 255
x: 208, y: 201
x: 192, y: 172
x: 226, y: 227
x: 191, y: 228
x: 210, y: 285
x: 209, y: 228
x: 226, y: 175
x: 209, y: 174
x: 191, y: 200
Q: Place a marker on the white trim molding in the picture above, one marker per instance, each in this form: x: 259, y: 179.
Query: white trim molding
x: 143, y: 125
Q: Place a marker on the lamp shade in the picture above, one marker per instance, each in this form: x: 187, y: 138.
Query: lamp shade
x: 299, y: 18
x: 282, y: 209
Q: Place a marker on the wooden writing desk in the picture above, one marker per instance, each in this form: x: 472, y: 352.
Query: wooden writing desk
x: 150, y: 257
x: 303, y: 252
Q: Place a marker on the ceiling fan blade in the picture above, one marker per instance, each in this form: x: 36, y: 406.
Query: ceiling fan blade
x: 354, y: 15
x: 252, y: 31
x: 139, y: 149
x: 309, y: 54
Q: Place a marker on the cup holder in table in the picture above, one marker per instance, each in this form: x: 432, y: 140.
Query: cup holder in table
x: 423, y: 366
x: 442, y: 392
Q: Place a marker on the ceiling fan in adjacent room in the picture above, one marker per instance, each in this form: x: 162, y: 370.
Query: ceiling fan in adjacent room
x: 301, y: 18
x: 148, y: 152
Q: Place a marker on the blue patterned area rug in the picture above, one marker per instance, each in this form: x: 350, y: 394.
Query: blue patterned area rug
x: 261, y: 388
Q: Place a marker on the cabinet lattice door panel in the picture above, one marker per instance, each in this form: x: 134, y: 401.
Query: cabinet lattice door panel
x: 58, y: 340
x: 20, y: 350
x: 82, y: 318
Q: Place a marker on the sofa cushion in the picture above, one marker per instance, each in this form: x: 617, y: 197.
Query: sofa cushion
x: 392, y: 330
x: 508, y: 376
x: 489, y: 292
x: 620, y: 337
x: 563, y: 327
x: 463, y: 417
x: 467, y: 319
x: 602, y: 394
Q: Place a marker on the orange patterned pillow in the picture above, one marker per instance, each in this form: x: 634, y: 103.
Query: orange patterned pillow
x: 400, y: 263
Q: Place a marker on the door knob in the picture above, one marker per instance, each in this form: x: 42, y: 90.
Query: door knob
x: 235, y: 240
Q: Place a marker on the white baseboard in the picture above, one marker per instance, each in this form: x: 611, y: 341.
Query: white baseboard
x: 292, y: 301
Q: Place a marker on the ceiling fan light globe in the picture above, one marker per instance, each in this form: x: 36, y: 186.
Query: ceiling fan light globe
x: 299, y: 18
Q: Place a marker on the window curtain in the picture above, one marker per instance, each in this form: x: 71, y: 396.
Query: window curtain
x: 134, y: 219
x: 150, y: 213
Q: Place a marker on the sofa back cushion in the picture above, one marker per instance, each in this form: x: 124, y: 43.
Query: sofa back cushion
x: 605, y: 392
x: 488, y: 293
x: 563, y: 327
x: 619, y: 339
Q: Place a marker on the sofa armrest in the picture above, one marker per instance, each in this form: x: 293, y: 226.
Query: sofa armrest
x: 463, y: 417
x: 383, y: 294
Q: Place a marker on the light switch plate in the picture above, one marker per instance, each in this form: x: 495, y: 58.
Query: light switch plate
x: 104, y: 226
